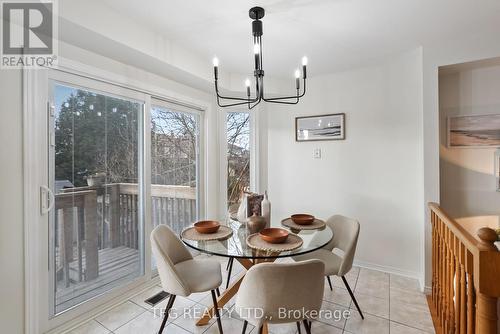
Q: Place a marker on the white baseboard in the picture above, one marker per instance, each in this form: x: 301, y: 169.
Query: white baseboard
x: 389, y: 269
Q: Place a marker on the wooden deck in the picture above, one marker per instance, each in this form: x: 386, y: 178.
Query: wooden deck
x: 116, y: 266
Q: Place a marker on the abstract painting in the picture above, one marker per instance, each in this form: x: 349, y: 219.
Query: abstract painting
x: 321, y: 127
x: 476, y: 131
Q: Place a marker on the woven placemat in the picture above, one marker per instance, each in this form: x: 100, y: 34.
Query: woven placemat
x: 315, y: 225
x: 223, y: 233
x: 293, y: 241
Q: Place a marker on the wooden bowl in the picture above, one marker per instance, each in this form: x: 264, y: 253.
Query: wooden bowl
x: 302, y: 219
x: 206, y: 226
x: 274, y: 235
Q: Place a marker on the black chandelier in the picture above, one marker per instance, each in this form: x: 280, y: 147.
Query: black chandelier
x: 256, y: 14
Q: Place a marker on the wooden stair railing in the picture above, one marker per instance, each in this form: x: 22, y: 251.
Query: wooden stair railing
x: 465, y: 277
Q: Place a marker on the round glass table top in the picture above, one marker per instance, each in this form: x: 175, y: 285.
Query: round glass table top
x: 236, y: 245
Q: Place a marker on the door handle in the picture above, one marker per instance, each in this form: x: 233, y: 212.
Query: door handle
x: 47, y: 200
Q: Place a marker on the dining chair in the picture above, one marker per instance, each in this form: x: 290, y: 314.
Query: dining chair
x: 282, y: 293
x: 345, y: 238
x: 180, y: 274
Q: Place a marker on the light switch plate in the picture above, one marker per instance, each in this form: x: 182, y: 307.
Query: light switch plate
x: 317, y: 153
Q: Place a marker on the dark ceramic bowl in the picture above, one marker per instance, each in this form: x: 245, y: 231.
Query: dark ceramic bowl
x: 274, y: 235
x: 302, y: 219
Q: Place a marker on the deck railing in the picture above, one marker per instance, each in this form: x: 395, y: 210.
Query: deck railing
x: 107, y: 216
x: 465, y: 277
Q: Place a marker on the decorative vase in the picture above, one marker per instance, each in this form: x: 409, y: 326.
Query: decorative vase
x: 266, y: 209
x: 256, y: 223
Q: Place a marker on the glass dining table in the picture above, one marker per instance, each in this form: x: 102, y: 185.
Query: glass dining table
x: 236, y: 247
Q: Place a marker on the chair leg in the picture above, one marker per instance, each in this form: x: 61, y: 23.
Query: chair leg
x: 245, y: 324
x: 229, y: 272
x: 306, y: 325
x: 167, y: 311
x: 298, y: 327
x: 261, y: 329
x: 218, y: 292
x: 352, y: 296
x: 229, y: 263
x: 216, y: 308
x: 329, y: 283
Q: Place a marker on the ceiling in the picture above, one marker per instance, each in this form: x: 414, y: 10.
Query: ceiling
x: 334, y: 34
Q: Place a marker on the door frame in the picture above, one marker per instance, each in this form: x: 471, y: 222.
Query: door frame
x: 35, y: 144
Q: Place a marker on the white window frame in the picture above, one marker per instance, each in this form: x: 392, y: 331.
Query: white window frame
x: 35, y: 91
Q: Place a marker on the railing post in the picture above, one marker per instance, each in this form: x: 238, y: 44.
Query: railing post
x: 487, y: 276
x: 91, y: 246
x: 114, y: 228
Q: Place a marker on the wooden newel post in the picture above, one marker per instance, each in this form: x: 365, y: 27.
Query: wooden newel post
x: 488, y: 272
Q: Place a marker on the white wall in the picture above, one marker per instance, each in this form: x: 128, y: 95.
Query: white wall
x: 461, y: 50
x: 375, y: 175
x: 467, y: 175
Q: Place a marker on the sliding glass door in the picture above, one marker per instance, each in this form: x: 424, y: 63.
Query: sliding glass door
x: 96, y: 226
x: 111, y: 164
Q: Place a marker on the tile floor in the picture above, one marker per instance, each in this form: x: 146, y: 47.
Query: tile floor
x: 391, y: 304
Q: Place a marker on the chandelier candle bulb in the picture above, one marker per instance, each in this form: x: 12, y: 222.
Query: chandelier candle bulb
x: 247, y: 84
x: 304, y: 67
x: 216, y: 68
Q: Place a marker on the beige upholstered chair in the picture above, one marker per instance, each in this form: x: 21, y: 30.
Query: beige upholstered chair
x: 271, y: 287
x: 345, y: 238
x: 180, y: 274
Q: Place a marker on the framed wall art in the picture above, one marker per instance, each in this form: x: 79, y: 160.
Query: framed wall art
x: 474, y: 131
x: 321, y: 127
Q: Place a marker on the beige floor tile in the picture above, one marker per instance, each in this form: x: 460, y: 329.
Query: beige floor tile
x: 188, y: 322
x: 119, y: 315
x: 338, y: 296
x: 90, y: 327
x: 373, y: 275
x: 409, y: 297
x: 402, y: 329
x: 365, y: 273
x: 337, y: 282
x: 334, y: 314
x: 411, y: 315
x: 379, y: 289
x: 372, y: 305
x: 146, y: 323
x: 371, y: 324
x: 404, y: 283
x: 322, y: 328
